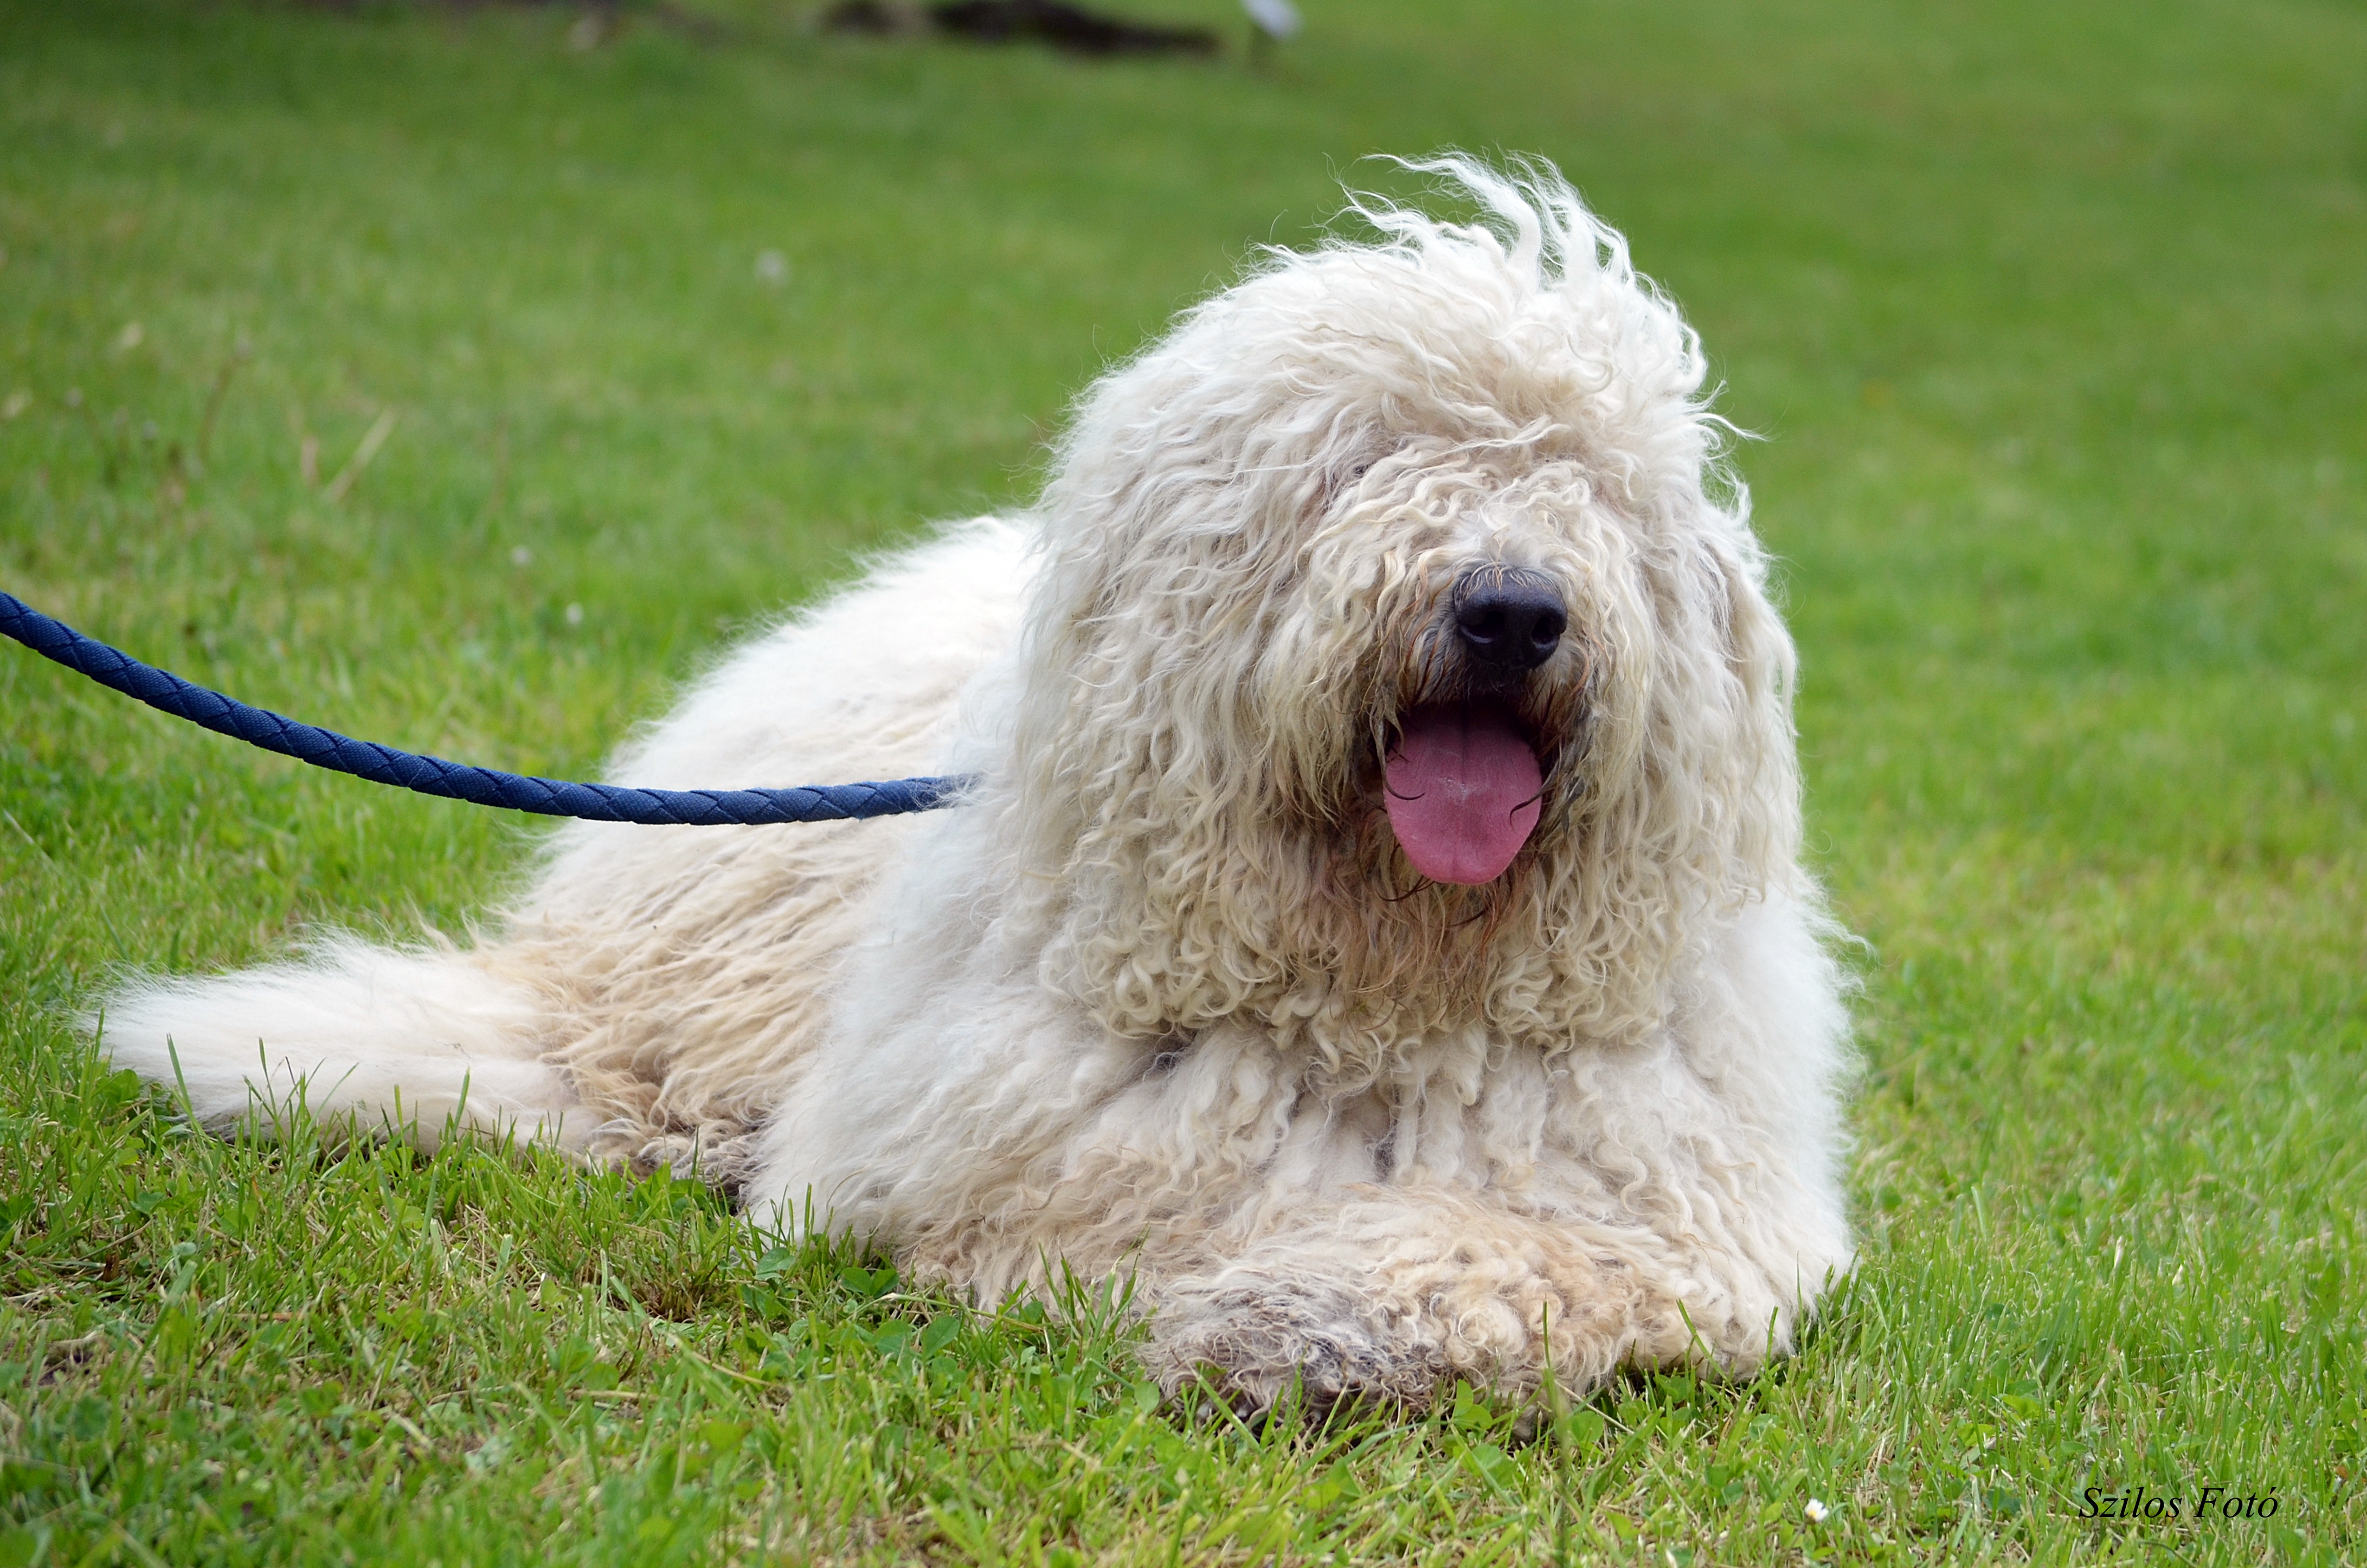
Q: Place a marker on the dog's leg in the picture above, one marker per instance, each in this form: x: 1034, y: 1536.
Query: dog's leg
x: 1394, y: 1297
x: 418, y: 1043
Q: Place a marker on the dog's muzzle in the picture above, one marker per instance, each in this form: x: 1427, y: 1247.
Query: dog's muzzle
x: 1463, y: 783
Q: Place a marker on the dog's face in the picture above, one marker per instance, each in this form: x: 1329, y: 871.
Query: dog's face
x: 1393, y: 635
x: 1455, y: 645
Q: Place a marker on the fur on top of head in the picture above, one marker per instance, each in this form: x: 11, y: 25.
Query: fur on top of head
x: 1257, y: 537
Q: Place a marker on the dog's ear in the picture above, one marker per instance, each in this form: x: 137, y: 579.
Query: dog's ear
x: 1757, y: 649
x: 1763, y: 808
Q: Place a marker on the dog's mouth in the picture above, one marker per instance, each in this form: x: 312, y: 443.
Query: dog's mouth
x: 1465, y: 789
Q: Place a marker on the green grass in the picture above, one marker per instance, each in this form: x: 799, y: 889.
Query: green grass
x: 2053, y: 316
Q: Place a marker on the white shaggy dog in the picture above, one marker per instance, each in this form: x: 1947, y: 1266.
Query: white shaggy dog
x: 1376, y: 929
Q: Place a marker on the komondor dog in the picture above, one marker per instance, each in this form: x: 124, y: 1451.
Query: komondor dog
x: 1377, y: 928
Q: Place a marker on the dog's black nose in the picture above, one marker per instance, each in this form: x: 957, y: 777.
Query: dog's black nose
x: 1512, y: 620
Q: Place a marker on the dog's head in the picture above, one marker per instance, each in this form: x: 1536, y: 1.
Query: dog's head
x: 1400, y: 657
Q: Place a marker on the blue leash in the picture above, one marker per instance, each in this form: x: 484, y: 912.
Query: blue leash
x: 163, y: 691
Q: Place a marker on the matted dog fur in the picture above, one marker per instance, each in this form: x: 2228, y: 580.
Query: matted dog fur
x: 1401, y: 557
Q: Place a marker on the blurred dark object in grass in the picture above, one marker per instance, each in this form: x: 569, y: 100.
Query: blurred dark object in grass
x: 876, y: 18
x: 1067, y: 27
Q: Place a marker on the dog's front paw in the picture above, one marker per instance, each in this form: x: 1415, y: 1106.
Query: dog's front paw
x: 1258, y: 1343
x: 1395, y: 1304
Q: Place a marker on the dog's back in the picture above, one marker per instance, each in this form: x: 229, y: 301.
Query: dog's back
x: 651, y: 991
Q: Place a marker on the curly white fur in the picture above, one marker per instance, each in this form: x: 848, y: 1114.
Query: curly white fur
x: 1164, y: 1000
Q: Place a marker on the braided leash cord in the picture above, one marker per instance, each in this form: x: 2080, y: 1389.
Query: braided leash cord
x: 166, y: 691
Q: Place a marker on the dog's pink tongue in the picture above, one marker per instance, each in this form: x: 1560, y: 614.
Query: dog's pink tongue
x: 1463, y: 789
